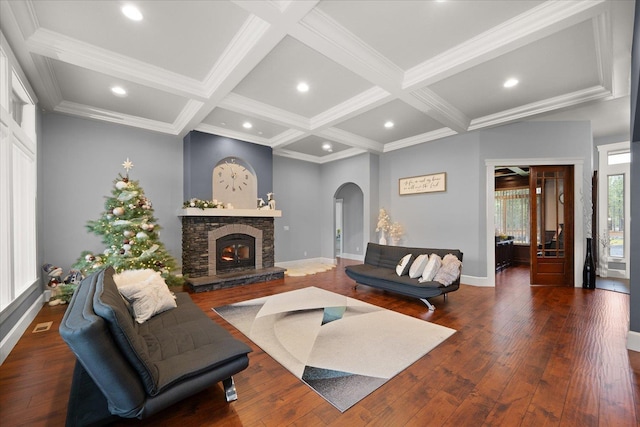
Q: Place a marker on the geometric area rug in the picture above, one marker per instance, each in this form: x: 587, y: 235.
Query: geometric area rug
x: 341, y: 347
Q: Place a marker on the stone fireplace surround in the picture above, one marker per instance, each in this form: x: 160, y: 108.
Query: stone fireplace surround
x: 201, y: 229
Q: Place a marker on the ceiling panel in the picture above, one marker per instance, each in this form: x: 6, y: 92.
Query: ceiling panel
x: 274, y: 80
x: 233, y: 121
x: 312, y: 145
x: 186, y: 37
x: 410, y: 32
x: 558, y: 64
x: 93, y: 89
x: 407, y: 122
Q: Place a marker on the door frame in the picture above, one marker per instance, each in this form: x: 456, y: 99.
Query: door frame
x: 579, y: 209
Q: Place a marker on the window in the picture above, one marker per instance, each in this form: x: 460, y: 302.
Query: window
x: 512, y: 214
x: 612, y: 234
x: 18, y: 181
x: 615, y: 217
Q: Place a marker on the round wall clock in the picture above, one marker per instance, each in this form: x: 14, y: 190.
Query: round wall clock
x: 235, y: 182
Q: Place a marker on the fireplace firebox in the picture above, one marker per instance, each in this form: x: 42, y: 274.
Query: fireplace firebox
x: 235, y: 251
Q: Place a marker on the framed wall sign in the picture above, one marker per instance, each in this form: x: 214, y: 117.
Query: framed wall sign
x: 423, y: 184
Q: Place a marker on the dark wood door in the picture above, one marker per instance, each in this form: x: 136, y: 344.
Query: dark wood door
x: 551, y: 193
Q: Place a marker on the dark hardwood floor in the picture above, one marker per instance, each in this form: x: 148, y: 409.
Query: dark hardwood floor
x: 522, y: 356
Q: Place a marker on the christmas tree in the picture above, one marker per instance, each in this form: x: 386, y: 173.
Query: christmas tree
x: 130, y: 233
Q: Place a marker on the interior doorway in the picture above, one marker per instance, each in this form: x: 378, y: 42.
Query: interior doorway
x: 551, y: 201
x: 349, y: 220
x: 339, y: 248
x: 522, y: 252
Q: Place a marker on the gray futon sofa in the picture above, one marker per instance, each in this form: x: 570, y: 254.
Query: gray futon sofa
x: 131, y: 370
x: 379, y: 271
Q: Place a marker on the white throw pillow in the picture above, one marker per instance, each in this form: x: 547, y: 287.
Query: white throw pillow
x: 418, y: 266
x: 403, y: 266
x: 431, y: 268
x: 148, y: 296
x: 449, y: 271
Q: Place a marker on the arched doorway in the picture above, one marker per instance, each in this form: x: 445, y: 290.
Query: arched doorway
x: 348, y: 229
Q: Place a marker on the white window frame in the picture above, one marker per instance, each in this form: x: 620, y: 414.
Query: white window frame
x: 605, y: 170
x: 18, y: 181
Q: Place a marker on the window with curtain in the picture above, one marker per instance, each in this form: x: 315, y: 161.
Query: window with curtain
x: 512, y: 214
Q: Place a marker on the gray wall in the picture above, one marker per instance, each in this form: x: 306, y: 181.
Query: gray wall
x: 80, y: 160
x: 457, y: 218
x: 361, y: 170
x: 450, y: 219
x: 635, y: 175
x: 296, y: 185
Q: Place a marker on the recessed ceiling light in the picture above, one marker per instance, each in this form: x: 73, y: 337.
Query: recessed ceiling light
x: 389, y: 124
x: 327, y: 147
x: 303, y: 87
x: 511, y: 83
x: 119, y: 91
x: 132, y: 12
x: 247, y: 125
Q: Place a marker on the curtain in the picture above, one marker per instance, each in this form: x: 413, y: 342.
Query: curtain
x: 512, y: 214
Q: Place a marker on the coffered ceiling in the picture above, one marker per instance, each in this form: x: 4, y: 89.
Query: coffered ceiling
x: 433, y: 68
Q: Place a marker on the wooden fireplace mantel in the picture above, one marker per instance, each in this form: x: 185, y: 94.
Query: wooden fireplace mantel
x: 251, y: 213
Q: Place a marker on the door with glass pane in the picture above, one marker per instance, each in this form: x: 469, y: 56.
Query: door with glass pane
x: 551, y: 199
x: 612, y: 235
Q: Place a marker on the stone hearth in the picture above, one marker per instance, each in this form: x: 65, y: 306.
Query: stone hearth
x: 201, y: 229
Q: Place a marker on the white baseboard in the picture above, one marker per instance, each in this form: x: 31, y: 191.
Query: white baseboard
x: 297, y: 262
x: 633, y: 341
x: 475, y: 281
x: 355, y: 257
x: 19, y: 328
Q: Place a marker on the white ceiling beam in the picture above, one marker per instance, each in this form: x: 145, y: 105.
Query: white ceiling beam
x: 344, y: 137
x: 243, y: 105
x: 66, y: 49
x: 558, y: 102
x: 535, y: 24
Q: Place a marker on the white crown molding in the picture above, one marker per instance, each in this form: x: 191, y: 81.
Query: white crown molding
x: 358, y: 104
x: 241, y: 136
x: 186, y: 114
x: 48, y: 81
x: 344, y: 154
x: 58, y: 46
x: 419, y: 139
x: 87, y: 112
x: 440, y: 110
x: 542, y: 20
x: 327, y: 36
x: 348, y: 138
x: 567, y: 100
x: 287, y: 137
x: 244, y: 105
x: 604, y: 49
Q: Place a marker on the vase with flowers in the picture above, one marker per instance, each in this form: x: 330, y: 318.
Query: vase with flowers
x: 396, y: 231
x: 384, y: 224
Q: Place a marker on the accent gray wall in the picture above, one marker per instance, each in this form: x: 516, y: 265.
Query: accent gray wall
x: 80, y: 160
x: 296, y: 191
x: 203, y: 151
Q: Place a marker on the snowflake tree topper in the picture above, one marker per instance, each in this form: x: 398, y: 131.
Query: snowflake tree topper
x: 127, y: 165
